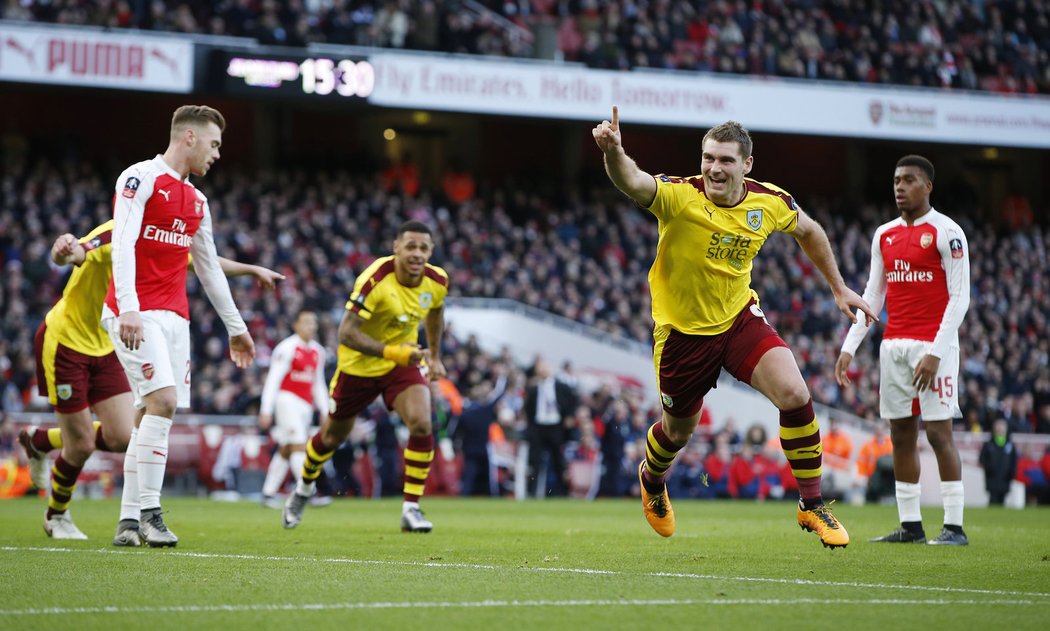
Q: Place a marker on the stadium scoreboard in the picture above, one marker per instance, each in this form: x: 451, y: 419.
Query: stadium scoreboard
x: 291, y: 76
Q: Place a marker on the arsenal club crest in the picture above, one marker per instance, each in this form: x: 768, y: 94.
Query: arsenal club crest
x: 147, y: 371
x: 754, y: 218
x: 926, y: 240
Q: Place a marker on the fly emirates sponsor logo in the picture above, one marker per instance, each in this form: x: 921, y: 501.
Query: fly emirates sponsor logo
x: 902, y: 273
x: 302, y: 376
x: 176, y: 236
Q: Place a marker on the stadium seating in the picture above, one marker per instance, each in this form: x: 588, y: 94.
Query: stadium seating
x: 996, y: 45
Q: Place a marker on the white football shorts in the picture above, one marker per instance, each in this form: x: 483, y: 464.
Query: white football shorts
x: 291, y: 419
x: 898, y: 359
x: 163, y: 358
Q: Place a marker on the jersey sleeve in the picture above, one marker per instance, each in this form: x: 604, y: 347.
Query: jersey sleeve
x: 217, y: 288
x: 955, y: 258
x: 363, y: 301
x: 874, y: 295
x: 785, y: 214
x: 320, y: 387
x: 440, y: 281
x: 133, y: 188
x: 670, y: 197
x: 280, y: 363
x: 98, y: 245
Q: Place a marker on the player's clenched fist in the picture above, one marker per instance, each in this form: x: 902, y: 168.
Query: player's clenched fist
x: 607, y: 134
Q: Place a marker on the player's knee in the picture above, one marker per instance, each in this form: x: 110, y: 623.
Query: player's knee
x: 419, y: 425
x: 792, y: 396
x: 161, y: 403
x: 903, y: 440
x: 336, y: 431
x: 117, y: 441
x: 940, y: 438
x: 77, y: 448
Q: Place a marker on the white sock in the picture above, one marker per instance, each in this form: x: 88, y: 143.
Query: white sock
x: 296, y: 459
x: 305, y: 488
x: 407, y: 505
x: 952, y: 494
x: 908, y: 502
x: 275, y: 474
x: 129, y: 495
x: 152, y: 459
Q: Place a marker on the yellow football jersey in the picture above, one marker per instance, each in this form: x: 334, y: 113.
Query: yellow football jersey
x: 75, y: 320
x: 392, y: 312
x: 701, y: 277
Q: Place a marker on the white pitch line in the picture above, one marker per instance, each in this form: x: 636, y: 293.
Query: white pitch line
x: 563, y: 570
x: 479, y: 604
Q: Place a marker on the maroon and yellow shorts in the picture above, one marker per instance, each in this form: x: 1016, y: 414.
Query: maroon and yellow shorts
x: 352, y: 394
x: 687, y: 366
x: 71, y: 380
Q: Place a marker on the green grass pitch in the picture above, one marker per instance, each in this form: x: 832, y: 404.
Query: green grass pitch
x: 499, y: 564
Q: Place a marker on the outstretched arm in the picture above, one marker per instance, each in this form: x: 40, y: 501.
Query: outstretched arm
x: 622, y: 170
x: 814, y: 242
x: 267, y: 277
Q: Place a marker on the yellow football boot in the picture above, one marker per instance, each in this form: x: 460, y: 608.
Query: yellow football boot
x: 821, y: 521
x: 657, y: 508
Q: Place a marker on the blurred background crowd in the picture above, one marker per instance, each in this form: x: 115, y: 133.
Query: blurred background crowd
x: 995, y: 45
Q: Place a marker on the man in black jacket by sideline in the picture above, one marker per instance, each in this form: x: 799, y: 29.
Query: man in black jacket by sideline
x: 548, y: 403
x: 999, y: 461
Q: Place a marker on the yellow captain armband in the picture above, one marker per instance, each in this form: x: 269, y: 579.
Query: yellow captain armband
x: 398, y: 353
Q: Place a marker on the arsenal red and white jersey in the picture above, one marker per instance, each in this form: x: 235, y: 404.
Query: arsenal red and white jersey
x: 922, y: 273
x: 159, y: 218
x: 169, y: 211
x: 297, y: 367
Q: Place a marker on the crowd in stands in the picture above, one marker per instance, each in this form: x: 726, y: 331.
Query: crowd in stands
x: 995, y: 45
x: 585, y: 257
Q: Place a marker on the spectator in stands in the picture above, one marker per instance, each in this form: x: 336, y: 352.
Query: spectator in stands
x: 617, y: 428
x: 457, y: 183
x: 716, y: 466
x: 745, y: 479
x: 472, y: 429
x: 687, y: 477
x: 402, y: 176
x: 879, y: 448
x: 1030, y: 472
x: 548, y: 404
x: 838, y: 447
x: 999, y: 460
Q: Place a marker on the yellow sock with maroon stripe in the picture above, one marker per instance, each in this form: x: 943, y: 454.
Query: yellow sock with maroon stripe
x: 419, y: 453
x: 63, y: 483
x: 800, y: 440
x: 316, y: 455
x: 659, y: 454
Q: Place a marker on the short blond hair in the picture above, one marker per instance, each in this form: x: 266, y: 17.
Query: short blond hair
x: 196, y: 115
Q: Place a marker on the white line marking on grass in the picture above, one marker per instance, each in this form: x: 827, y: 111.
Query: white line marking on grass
x: 563, y: 570
x: 479, y: 604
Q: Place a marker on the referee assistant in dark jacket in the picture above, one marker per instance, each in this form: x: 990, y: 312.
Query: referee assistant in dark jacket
x: 548, y: 404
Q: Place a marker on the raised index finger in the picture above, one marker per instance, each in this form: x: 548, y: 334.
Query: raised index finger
x: 616, y: 117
